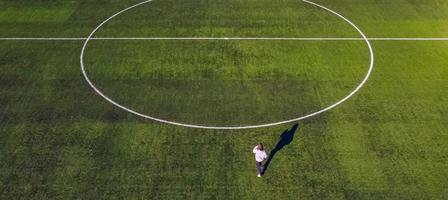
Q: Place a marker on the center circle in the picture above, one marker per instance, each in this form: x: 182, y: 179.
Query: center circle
x: 99, y: 92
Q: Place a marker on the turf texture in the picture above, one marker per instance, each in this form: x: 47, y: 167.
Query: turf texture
x: 60, y: 140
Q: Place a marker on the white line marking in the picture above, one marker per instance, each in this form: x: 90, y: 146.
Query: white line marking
x: 226, y: 127
x: 231, y: 38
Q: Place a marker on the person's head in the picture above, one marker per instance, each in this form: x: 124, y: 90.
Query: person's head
x: 260, y: 146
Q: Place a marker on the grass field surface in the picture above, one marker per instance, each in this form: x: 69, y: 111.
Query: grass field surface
x: 60, y: 140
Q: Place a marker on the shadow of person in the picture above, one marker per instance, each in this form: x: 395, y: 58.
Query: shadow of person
x: 285, y: 138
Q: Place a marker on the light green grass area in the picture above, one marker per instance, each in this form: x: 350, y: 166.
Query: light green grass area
x: 60, y: 140
x: 35, y: 14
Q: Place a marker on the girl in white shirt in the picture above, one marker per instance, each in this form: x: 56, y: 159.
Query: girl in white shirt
x: 260, y: 155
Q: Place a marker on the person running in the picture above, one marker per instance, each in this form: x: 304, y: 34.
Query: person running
x: 260, y: 155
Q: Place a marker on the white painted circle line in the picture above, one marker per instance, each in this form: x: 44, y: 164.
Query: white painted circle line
x: 227, y: 127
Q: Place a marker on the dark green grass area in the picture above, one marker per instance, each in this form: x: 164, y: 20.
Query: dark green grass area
x: 59, y: 140
x: 223, y: 18
x: 208, y: 18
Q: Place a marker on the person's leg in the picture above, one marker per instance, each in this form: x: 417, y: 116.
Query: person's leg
x: 259, y: 168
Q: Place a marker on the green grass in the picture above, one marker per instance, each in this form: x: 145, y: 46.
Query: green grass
x: 244, y: 82
x: 60, y: 140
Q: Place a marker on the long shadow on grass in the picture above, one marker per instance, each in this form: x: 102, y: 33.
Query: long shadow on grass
x: 285, y: 138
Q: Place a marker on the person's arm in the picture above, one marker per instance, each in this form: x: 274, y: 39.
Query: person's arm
x: 255, y: 149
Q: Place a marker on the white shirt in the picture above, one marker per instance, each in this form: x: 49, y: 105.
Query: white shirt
x: 259, y: 155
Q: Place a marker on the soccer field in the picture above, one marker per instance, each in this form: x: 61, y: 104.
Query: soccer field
x: 225, y: 66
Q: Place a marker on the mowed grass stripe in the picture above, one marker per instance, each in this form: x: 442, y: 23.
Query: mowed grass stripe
x: 416, y: 19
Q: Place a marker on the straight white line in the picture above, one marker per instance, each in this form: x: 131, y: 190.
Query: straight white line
x: 228, y: 38
x: 410, y: 39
